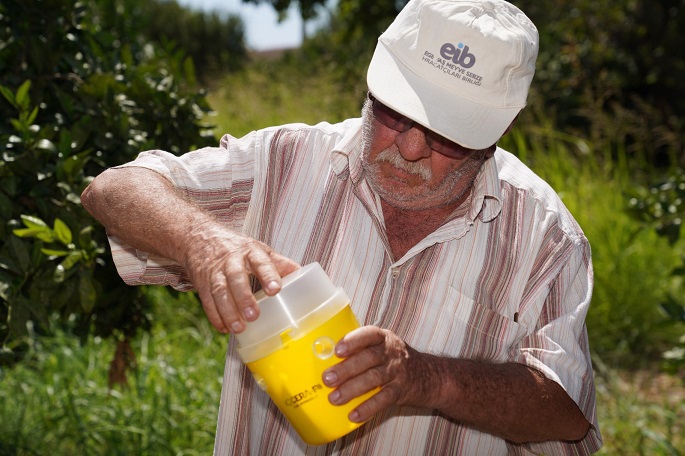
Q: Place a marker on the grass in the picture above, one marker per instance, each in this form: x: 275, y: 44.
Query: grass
x: 58, y: 402
x: 276, y: 92
x: 641, y: 412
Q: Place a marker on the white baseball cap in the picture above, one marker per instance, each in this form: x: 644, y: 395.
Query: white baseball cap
x: 461, y: 68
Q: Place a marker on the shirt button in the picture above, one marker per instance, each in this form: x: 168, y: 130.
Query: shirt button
x: 395, y: 272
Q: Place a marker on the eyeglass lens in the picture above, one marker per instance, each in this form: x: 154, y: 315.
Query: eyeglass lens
x: 398, y: 122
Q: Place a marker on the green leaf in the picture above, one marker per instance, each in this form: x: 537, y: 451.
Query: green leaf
x: 9, y: 96
x: 33, y: 222
x: 62, y: 232
x: 5, y: 206
x: 32, y: 116
x: 9, y: 185
x: 64, y: 144
x: 29, y: 232
x: 9, y: 264
x: 17, y: 125
x: 71, y: 259
x: 38, y: 310
x: 22, y: 94
x: 55, y: 253
x: 70, y: 167
x: 44, y: 234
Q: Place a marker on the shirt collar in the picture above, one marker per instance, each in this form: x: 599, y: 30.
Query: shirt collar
x: 346, y: 156
x: 487, y: 197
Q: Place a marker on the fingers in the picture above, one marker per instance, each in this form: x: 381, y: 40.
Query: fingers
x: 235, y: 302
x: 384, y: 398
x: 212, y: 312
x: 218, y: 302
x: 223, y: 283
x: 362, y: 369
x: 358, y: 340
x: 239, y: 304
x: 269, y: 267
x: 374, y: 358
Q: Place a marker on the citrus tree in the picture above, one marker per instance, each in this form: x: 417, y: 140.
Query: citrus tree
x: 78, y: 94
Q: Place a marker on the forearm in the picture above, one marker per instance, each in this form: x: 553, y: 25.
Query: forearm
x: 510, y: 400
x: 143, y: 209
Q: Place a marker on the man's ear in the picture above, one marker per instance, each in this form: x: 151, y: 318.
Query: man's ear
x: 511, y: 125
x: 491, y: 151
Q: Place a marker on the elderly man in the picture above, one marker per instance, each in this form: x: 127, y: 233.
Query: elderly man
x: 471, y: 277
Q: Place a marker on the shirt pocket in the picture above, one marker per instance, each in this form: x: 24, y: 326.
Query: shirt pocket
x: 458, y: 326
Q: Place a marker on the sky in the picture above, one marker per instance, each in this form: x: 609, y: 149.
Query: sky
x: 262, y: 30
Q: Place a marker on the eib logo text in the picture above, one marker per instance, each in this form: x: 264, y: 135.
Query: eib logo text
x: 458, y: 54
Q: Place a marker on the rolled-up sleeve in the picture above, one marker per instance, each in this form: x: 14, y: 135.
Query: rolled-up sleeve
x: 559, y: 346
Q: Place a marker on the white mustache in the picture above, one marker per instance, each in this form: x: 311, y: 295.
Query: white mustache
x: 397, y: 161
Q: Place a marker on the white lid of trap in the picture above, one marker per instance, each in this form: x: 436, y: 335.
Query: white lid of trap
x: 307, y: 299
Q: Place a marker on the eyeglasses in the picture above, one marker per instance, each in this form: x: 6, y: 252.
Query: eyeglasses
x: 396, y: 121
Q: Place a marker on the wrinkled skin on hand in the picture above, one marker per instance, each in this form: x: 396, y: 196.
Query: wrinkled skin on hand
x: 375, y: 357
x: 219, y: 263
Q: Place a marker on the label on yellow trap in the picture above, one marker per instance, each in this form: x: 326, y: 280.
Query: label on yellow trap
x: 292, y: 378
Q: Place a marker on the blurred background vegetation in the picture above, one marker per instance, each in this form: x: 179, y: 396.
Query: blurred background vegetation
x: 90, y: 366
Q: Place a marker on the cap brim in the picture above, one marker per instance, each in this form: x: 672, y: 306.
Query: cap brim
x: 461, y: 120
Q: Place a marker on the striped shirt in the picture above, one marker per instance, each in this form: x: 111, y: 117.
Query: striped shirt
x: 507, y: 278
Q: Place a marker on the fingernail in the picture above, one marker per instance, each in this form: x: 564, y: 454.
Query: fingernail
x: 236, y: 326
x: 250, y: 313
x: 271, y: 287
x: 329, y: 378
x: 334, y: 397
x: 340, y: 350
x: 354, y: 416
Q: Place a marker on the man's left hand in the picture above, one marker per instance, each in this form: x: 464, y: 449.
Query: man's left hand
x: 375, y: 357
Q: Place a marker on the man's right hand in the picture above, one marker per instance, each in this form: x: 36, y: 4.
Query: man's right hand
x: 219, y: 262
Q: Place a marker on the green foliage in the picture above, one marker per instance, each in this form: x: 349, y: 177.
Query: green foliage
x: 213, y: 41
x: 76, y: 98
x: 344, y: 48
x: 610, y: 71
x: 308, y: 8
x: 660, y: 207
x: 58, y: 401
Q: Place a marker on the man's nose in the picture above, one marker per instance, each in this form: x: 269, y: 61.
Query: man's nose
x: 412, y: 144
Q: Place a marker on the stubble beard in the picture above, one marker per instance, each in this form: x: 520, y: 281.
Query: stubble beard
x: 426, y: 195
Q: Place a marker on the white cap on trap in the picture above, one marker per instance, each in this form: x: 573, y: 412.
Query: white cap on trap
x: 307, y: 299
